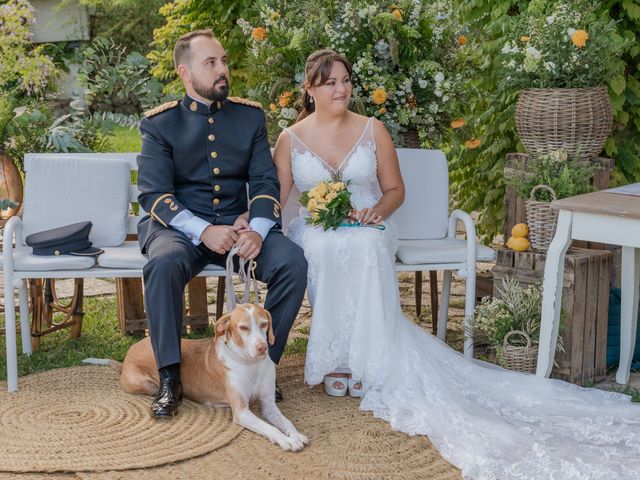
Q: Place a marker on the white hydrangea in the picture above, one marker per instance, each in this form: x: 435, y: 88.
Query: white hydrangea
x: 570, y: 32
x: 551, y: 19
x: 283, y: 123
x: 509, y: 48
x: 533, y: 52
x: 422, y: 83
x: 549, y: 66
x: 439, y: 77
x: 438, y: 93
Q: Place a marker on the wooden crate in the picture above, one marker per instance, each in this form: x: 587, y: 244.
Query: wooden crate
x: 585, y: 303
x: 514, y: 206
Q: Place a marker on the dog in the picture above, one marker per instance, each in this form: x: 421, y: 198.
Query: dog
x: 233, y: 369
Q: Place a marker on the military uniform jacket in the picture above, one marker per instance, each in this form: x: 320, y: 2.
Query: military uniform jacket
x: 203, y: 159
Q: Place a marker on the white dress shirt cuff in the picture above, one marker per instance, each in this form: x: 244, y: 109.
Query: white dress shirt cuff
x: 192, y: 226
x: 261, y: 225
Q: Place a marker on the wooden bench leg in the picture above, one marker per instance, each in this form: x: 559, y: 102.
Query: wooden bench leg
x: 197, y: 315
x: 77, y: 312
x: 418, y: 293
x: 131, y: 315
x: 220, y: 298
x: 433, y: 288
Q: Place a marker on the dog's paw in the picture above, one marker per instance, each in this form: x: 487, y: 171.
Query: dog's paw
x: 300, y: 437
x: 289, y: 444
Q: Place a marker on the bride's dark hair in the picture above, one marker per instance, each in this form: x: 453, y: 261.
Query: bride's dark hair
x: 316, y: 72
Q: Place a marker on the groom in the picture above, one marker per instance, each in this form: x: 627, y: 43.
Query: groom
x: 198, y: 157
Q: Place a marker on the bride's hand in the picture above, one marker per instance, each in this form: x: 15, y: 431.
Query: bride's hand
x: 368, y: 216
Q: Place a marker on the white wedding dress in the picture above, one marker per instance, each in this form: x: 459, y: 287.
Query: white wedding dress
x: 489, y: 422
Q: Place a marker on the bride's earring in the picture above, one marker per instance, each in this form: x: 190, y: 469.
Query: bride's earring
x: 310, y: 99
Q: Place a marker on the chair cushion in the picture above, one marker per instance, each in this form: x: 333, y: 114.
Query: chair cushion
x: 61, y: 190
x: 128, y: 256
x: 24, y: 260
x: 446, y: 250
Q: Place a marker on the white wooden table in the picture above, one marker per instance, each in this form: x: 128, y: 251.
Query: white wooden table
x: 600, y: 217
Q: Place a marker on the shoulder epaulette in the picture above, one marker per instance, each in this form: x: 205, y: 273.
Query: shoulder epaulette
x: 244, y: 101
x: 161, y: 108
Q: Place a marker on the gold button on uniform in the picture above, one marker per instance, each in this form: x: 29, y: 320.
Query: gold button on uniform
x: 216, y: 201
x: 214, y: 154
x: 211, y: 120
x: 216, y: 171
x: 216, y: 188
x: 211, y: 138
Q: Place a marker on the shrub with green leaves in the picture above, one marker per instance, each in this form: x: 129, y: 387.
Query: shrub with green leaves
x: 476, y: 175
x: 117, y: 81
x: 516, y: 308
x: 566, y: 178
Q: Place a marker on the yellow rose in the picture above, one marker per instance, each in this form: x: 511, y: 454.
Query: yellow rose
x: 275, y: 16
x: 273, y: 107
x: 322, y: 189
x: 397, y: 14
x: 382, y: 111
x: 579, y: 38
x: 330, y: 196
x: 337, y: 186
x: 312, y: 204
x: 315, y: 215
x: 472, y: 144
x: 458, y: 123
x: 525, y: 38
x: 259, y: 34
x: 379, y: 96
x: 462, y: 40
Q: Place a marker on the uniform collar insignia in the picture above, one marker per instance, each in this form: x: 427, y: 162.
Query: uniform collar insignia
x: 199, y: 107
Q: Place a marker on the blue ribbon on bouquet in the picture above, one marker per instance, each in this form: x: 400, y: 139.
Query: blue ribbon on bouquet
x: 358, y: 224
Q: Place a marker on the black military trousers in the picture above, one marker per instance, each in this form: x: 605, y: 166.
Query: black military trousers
x: 174, y: 260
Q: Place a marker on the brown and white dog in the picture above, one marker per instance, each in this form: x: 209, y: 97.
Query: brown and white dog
x: 233, y: 369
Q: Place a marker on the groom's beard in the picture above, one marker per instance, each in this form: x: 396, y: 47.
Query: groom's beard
x: 216, y: 92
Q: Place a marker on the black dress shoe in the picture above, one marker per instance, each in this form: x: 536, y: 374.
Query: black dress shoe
x: 168, y: 398
x: 278, y: 394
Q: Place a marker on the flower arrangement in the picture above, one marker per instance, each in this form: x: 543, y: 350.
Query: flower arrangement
x: 568, y: 47
x: 328, y: 204
x: 515, y: 308
x: 25, y: 69
x: 403, y: 57
x: 565, y: 177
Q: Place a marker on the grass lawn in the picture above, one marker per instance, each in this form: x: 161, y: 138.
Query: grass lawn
x: 101, y: 338
x: 125, y: 139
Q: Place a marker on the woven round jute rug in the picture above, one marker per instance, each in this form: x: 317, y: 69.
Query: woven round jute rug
x: 78, y: 419
x: 346, y: 444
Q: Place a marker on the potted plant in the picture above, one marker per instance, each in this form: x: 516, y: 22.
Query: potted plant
x: 561, y: 56
x: 542, y: 179
x: 403, y: 55
x: 10, y: 179
x: 510, y: 324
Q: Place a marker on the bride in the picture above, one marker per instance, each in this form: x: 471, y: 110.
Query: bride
x: 489, y: 422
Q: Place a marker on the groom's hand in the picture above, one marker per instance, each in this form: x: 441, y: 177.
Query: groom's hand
x: 220, y: 238
x: 249, y: 244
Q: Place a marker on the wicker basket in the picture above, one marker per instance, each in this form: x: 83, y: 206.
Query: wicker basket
x: 520, y: 359
x: 578, y: 120
x: 541, y: 219
x: 410, y: 138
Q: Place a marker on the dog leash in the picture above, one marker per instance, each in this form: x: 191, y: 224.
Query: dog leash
x: 247, y: 274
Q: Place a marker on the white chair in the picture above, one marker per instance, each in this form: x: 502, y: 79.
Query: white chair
x: 428, y: 233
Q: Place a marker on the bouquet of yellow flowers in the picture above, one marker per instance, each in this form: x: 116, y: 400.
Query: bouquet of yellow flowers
x: 328, y: 203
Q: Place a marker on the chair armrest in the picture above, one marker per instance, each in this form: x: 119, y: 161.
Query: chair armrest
x: 12, y: 230
x: 470, y: 228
